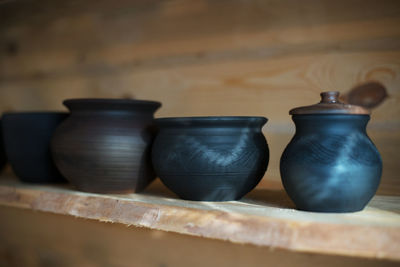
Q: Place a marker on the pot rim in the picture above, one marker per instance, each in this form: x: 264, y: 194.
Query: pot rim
x: 111, y: 101
x: 33, y: 113
x: 110, y: 104
x: 214, y: 120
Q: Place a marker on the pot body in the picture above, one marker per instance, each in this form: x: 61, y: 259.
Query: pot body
x: 331, y: 165
x: 104, y: 146
x: 27, y: 142
x: 210, y: 158
x: 3, y: 158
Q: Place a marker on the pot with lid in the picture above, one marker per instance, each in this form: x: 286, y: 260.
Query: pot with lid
x: 330, y: 165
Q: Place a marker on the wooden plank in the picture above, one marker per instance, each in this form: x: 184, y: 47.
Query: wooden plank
x: 248, y: 87
x: 264, y: 218
x: 102, y: 38
x: 31, y: 238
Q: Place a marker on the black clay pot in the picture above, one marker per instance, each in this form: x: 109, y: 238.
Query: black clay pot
x: 3, y: 158
x: 210, y: 158
x: 104, y: 146
x: 331, y: 165
x: 27, y: 142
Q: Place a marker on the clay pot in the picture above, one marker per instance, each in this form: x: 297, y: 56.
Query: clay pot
x: 104, y: 146
x: 3, y: 158
x: 210, y: 158
x: 331, y: 165
x: 27, y: 142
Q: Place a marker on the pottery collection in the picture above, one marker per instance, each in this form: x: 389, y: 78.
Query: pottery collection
x: 116, y: 146
x: 210, y: 158
x: 27, y: 138
x: 104, y: 145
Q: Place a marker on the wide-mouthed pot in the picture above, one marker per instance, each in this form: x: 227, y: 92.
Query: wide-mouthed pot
x: 210, y: 158
x: 104, y: 146
x: 27, y: 138
x: 331, y: 165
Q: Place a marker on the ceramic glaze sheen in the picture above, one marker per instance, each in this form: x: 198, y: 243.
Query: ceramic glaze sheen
x: 210, y: 158
x: 104, y: 146
x: 331, y: 165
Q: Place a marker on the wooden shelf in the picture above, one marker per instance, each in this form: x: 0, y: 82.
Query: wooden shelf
x: 266, y: 217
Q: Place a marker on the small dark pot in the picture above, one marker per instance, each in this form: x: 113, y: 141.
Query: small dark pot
x: 3, y: 158
x: 27, y: 142
x: 104, y: 146
x: 210, y: 158
x: 331, y: 165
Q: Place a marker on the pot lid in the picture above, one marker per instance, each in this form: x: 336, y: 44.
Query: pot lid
x: 330, y: 104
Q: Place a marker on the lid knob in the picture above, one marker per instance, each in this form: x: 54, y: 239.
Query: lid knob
x: 330, y: 97
x: 330, y: 104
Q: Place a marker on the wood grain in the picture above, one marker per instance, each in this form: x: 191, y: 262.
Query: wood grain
x: 264, y: 218
x: 31, y: 238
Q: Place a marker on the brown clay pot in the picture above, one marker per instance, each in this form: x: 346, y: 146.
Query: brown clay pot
x: 104, y: 145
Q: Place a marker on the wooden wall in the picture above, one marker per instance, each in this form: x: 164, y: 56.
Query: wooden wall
x: 205, y: 57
